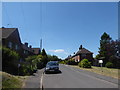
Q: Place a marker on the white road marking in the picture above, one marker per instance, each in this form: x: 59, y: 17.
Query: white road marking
x: 41, y: 82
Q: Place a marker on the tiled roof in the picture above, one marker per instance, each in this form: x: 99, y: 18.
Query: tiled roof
x: 36, y: 50
x: 83, y: 50
x: 27, y: 48
x: 7, y: 31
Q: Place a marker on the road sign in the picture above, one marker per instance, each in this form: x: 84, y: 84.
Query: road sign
x: 101, y: 61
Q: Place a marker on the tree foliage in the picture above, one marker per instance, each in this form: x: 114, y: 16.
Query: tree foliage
x: 103, y: 50
x: 10, y: 60
x: 43, y: 53
x: 52, y: 58
x: 108, y: 49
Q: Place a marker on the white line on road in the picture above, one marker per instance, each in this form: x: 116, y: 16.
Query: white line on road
x: 41, y: 82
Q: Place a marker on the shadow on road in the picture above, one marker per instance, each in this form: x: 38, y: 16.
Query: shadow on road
x: 58, y: 72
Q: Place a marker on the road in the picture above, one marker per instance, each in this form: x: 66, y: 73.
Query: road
x: 74, y: 78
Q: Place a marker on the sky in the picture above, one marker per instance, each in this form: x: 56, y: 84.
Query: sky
x: 63, y: 26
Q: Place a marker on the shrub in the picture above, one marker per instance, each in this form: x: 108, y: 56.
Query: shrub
x: 72, y: 62
x: 62, y: 62
x: 9, y: 60
x: 109, y: 65
x: 84, y: 64
x: 114, y: 60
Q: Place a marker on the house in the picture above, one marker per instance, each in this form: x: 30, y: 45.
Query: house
x: 36, y: 50
x: 11, y: 39
x: 69, y: 57
x: 27, y: 50
x: 81, y: 54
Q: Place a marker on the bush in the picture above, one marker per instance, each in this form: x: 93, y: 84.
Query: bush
x: 84, y: 64
x: 72, y: 62
x: 10, y: 60
x: 62, y: 62
x: 109, y: 65
x: 115, y: 61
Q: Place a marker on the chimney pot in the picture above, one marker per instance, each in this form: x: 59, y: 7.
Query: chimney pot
x: 26, y: 44
x: 30, y: 46
x: 80, y: 47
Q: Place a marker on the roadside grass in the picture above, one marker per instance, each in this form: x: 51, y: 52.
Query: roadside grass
x: 11, y: 81
x: 103, y: 71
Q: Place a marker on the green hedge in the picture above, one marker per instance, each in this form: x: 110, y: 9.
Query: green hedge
x: 84, y: 64
x: 109, y: 65
x: 9, y: 60
x: 72, y: 62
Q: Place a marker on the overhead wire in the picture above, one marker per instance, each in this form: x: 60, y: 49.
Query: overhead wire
x: 9, y: 23
x: 41, y: 25
x: 25, y: 26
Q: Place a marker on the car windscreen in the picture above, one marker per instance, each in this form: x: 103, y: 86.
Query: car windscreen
x: 52, y: 64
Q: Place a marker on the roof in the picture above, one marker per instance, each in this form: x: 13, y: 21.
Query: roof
x: 36, y: 50
x: 27, y: 48
x: 83, y: 50
x: 7, y: 31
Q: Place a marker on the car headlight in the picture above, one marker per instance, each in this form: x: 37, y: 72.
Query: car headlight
x: 47, y: 68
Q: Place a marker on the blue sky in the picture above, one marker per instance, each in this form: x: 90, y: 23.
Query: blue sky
x: 63, y: 27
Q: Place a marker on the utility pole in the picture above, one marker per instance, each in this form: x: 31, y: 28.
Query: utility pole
x: 41, y: 45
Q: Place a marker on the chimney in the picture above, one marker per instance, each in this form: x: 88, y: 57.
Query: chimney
x: 30, y: 46
x: 74, y: 53
x: 80, y: 47
x: 3, y: 27
x: 26, y: 44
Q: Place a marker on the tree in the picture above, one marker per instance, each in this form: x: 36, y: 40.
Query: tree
x: 44, y: 59
x: 53, y: 58
x: 43, y: 52
x: 103, y: 50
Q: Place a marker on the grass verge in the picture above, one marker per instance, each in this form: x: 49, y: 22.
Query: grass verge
x: 11, y: 81
x: 103, y: 71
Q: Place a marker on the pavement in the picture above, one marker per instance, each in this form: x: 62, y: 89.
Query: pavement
x: 70, y: 77
x: 33, y: 82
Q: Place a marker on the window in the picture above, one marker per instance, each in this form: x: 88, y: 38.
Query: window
x: 10, y: 44
x: 16, y: 47
x: 83, y: 55
x: 24, y: 51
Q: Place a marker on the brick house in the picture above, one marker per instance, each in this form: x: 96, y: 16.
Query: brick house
x: 36, y: 50
x: 81, y: 54
x: 27, y: 50
x: 11, y: 39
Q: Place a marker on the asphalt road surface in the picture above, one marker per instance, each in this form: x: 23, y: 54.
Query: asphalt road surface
x: 74, y: 78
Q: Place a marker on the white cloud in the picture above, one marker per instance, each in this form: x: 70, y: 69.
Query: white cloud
x: 57, y: 51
